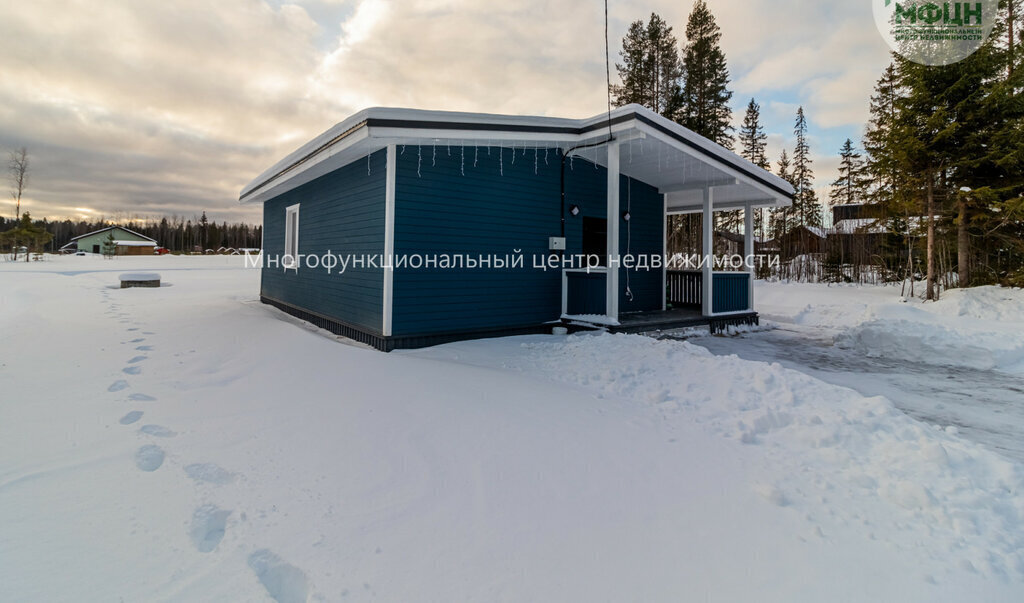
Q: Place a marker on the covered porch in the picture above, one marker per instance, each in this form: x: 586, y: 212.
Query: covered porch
x: 693, y: 176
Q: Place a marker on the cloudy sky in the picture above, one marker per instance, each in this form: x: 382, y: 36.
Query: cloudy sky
x: 141, y: 108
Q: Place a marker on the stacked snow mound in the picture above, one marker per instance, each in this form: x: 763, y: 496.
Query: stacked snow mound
x: 981, y: 328
x: 1002, y: 304
x: 817, y: 305
x: 935, y: 343
x: 845, y: 462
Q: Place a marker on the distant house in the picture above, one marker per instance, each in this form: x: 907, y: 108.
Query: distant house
x: 802, y: 240
x: 732, y: 243
x: 463, y: 225
x: 128, y: 242
x: 856, y: 211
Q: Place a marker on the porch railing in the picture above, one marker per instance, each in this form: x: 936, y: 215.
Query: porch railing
x: 685, y: 288
x: 731, y: 291
x: 584, y: 292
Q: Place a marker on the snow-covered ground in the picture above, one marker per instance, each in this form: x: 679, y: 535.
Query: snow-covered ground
x: 936, y: 361
x: 190, y: 443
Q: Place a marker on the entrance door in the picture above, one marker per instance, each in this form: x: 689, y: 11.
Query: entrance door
x: 95, y: 248
x: 595, y: 239
x: 584, y: 289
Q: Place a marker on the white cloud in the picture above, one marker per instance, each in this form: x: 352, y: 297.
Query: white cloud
x: 172, y: 107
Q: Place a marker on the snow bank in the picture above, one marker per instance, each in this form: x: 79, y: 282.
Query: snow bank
x: 936, y: 344
x: 842, y: 461
x: 981, y: 327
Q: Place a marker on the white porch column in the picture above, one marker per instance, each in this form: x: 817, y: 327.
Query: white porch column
x: 748, y: 250
x: 664, y: 252
x: 707, y: 223
x: 612, y: 281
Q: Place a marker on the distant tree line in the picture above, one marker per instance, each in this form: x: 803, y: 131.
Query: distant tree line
x: 177, y: 233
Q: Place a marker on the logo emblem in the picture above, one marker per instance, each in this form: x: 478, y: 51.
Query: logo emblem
x: 934, y: 33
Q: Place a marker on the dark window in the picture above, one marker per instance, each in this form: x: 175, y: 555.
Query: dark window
x: 595, y: 238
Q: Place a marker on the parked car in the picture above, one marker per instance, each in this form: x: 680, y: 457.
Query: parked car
x: 80, y: 252
x: 161, y: 251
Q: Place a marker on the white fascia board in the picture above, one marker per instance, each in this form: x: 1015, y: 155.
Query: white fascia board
x: 258, y: 191
x: 327, y: 151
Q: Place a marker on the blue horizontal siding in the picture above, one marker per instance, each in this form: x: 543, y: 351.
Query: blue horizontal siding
x: 587, y: 293
x: 445, y: 205
x: 586, y: 187
x: 341, y: 212
x: 451, y: 207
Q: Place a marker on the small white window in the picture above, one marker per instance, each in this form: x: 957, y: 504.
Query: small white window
x: 291, y: 237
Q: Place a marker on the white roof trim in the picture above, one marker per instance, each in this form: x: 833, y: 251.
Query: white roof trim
x: 372, y: 129
x: 109, y: 228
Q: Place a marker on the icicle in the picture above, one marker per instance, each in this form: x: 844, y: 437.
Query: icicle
x: 513, y: 153
x: 535, y: 160
x: 403, y: 150
x: 501, y: 161
x: 419, y: 159
x: 545, y: 155
x: 476, y: 154
x: 433, y: 158
x: 449, y: 148
x: 368, y: 163
x: 462, y: 163
x: 570, y: 163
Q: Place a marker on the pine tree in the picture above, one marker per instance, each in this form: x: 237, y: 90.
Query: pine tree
x: 779, y: 216
x: 650, y: 70
x: 752, y: 138
x: 704, y: 97
x: 753, y: 141
x: 877, y: 141
x: 26, y: 234
x: 109, y: 246
x: 851, y: 185
x: 204, y: 225
x: 806, y: 210
x: 986, y: 152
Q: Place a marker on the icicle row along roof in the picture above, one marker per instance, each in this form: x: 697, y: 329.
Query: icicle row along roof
x: 655, y: 150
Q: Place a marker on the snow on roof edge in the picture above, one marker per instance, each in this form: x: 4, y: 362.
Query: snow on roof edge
x: 110, y: 227
x: 361, y: 118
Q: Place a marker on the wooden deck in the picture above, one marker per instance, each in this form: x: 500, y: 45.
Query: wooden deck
x: 679, y: 318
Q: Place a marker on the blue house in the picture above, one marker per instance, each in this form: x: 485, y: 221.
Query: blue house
x: 403, y: 228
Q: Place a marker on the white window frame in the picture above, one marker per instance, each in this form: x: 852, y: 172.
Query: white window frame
x: 291, y: 237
